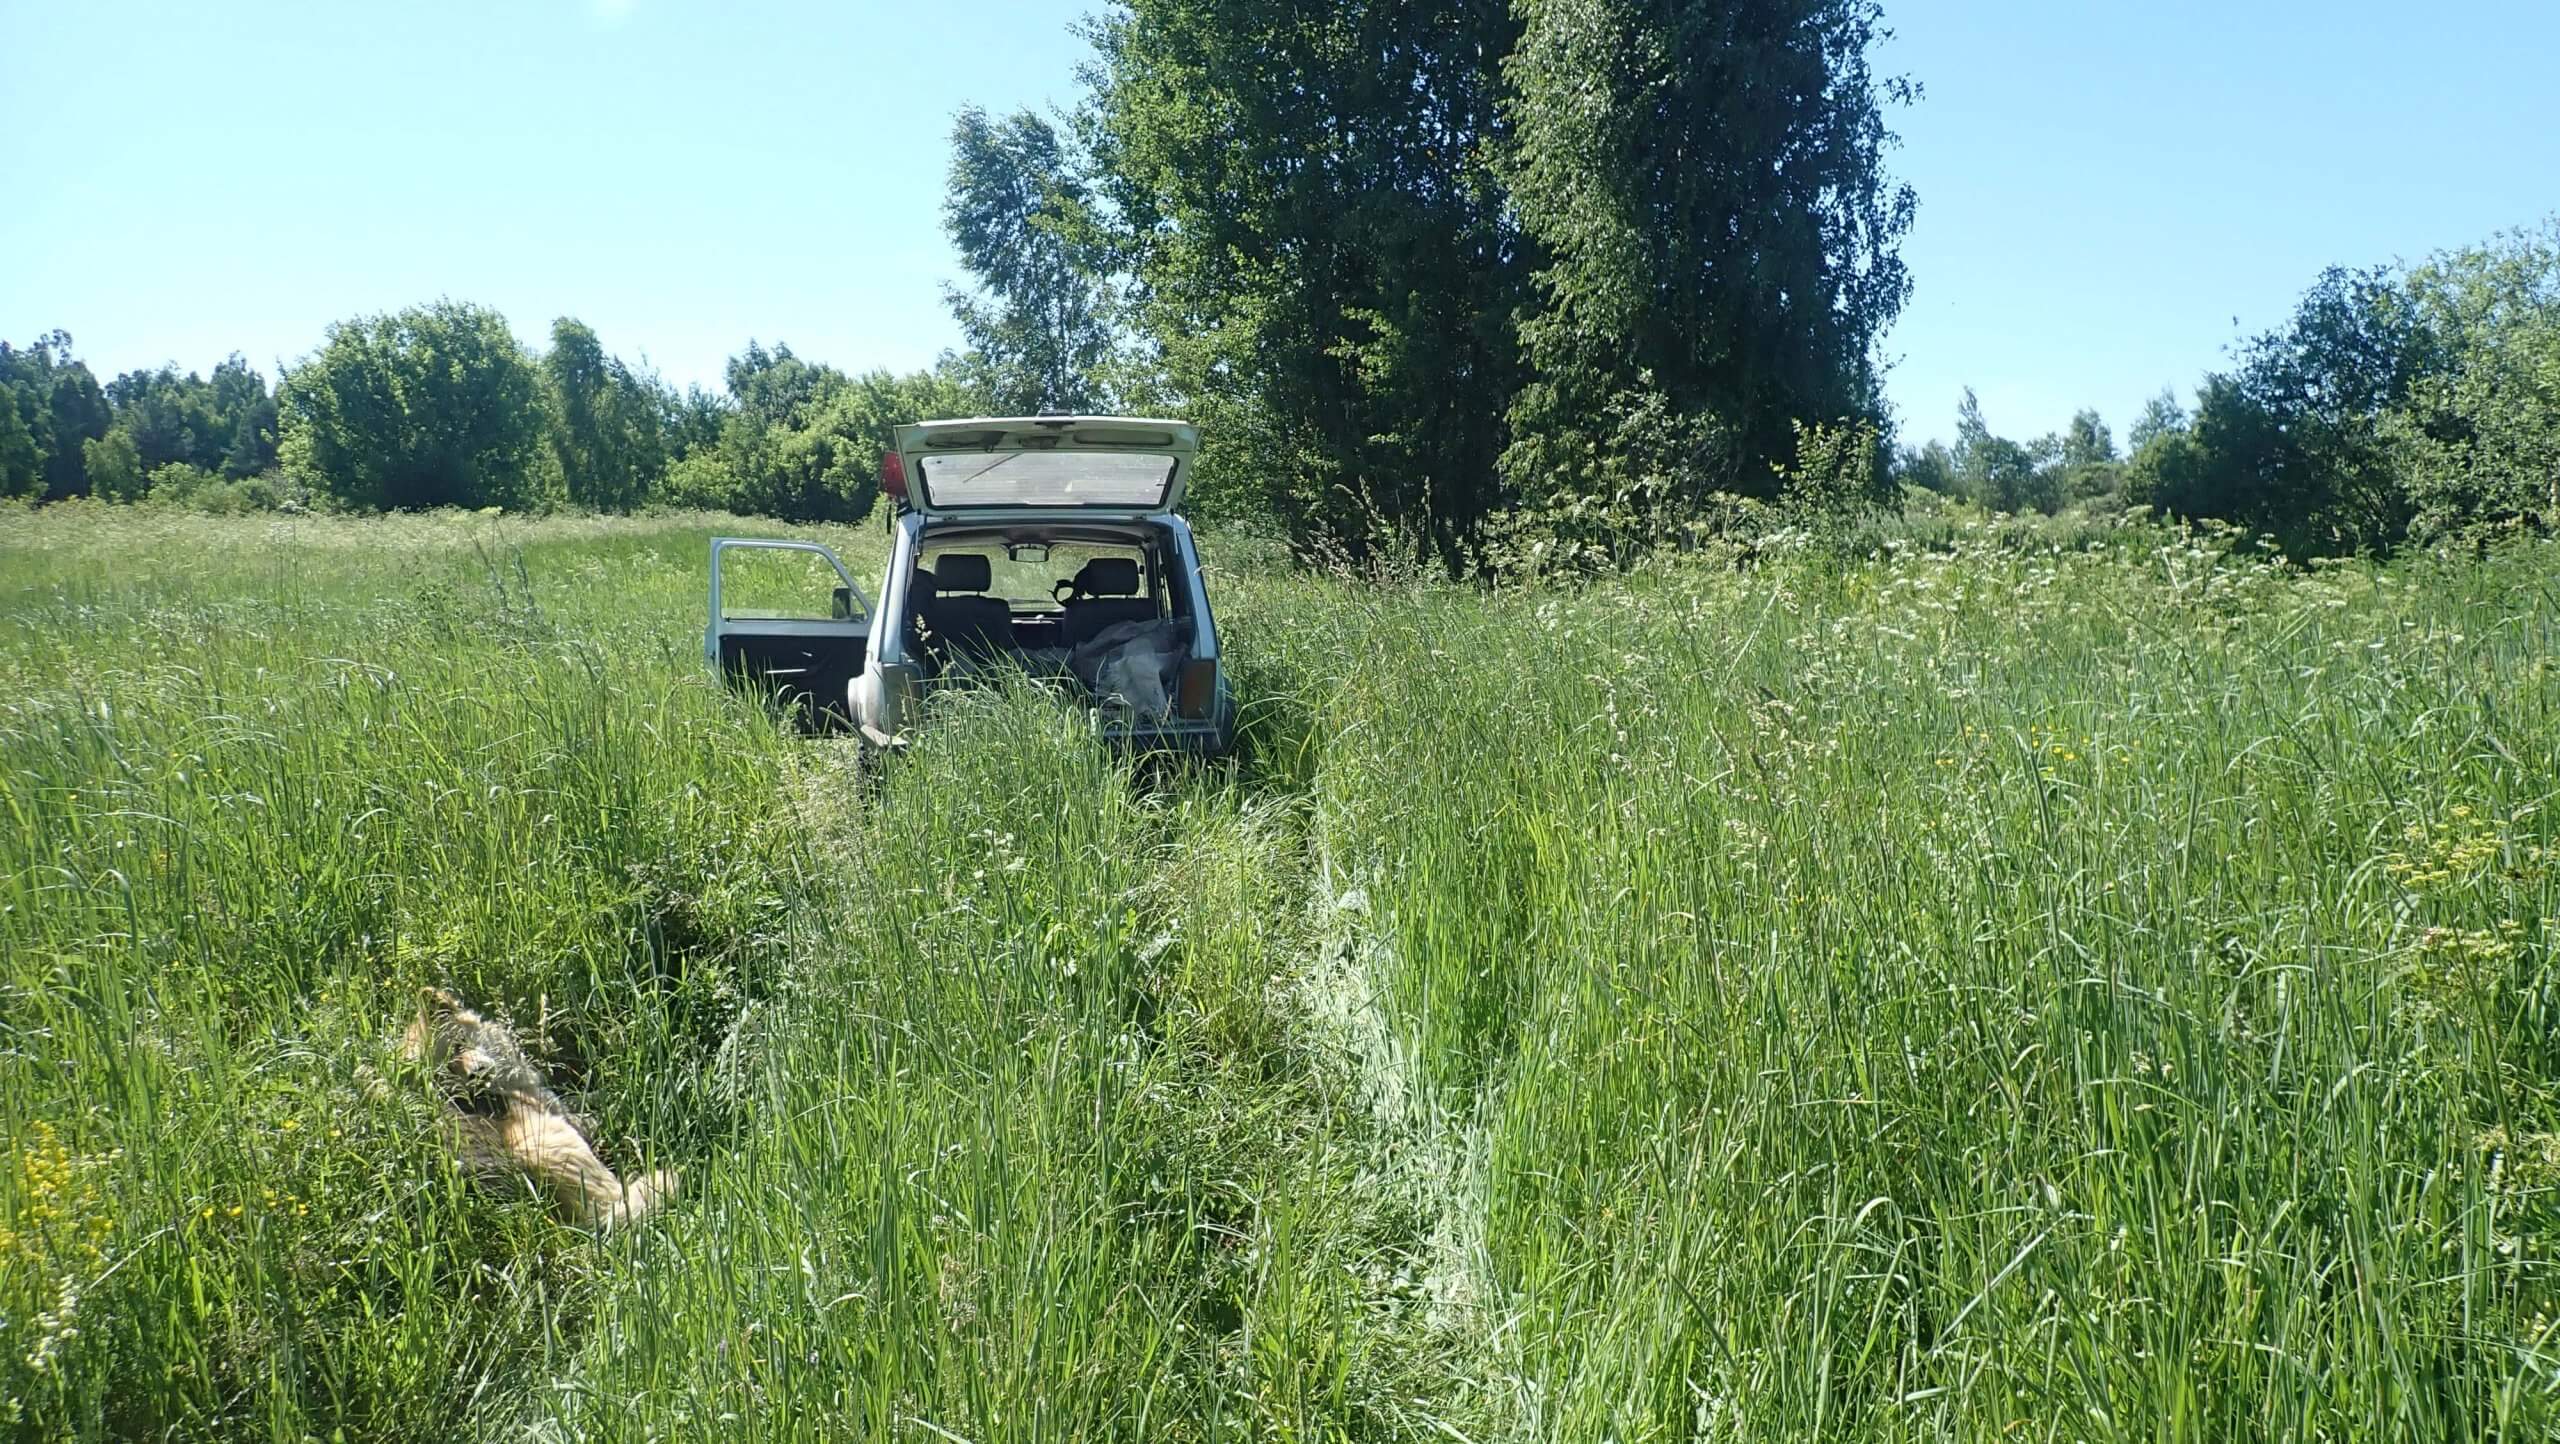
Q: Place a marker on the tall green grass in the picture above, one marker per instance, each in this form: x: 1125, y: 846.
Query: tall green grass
x: 1981, y: 995
x: 261, y: 780
x: 1972, y: 992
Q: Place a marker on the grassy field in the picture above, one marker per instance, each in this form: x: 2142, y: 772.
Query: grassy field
x: 1977, y: 992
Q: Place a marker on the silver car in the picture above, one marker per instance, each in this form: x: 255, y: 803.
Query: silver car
x: 1044, y: 545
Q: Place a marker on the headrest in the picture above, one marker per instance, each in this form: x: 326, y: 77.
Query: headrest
x: 1108, y: 577
x: 962, y: 572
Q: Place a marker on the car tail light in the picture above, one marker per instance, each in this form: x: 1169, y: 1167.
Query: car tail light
x: 1198, y: 685
x: 893, y: 474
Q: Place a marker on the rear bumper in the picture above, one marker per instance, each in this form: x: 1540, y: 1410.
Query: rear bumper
x: 1205, y: 739
x: 1214, y: 736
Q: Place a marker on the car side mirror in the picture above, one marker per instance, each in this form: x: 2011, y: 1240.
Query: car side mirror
x: 841, y: 606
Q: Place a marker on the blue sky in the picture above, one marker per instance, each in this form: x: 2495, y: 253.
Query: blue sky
x: 2111, y: 194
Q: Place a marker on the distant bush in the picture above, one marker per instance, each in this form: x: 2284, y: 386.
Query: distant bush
x: 192, y: 488
x: 1936, y: 523
x: 432, y: 406
x: 2394, y: 405
x: 1646, y: 494
x: 701, y: 480
x: 114, y: 465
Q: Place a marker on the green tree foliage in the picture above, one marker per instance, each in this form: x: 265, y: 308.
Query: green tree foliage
x: 245, y: 409
x: 2168, y: 471
x: 2477, y: 438
x: 694, y: 421
x: 1705, y: 182
x: 60, y: 408
x: 436, y: 405
x: 114, y: 466
x: 226, y: 424
x: 80, y: 415
x: 1931, y: 467
x: 610, y: 427
x: 1429, y: 262
x: 2084, y: 456
x: 579, y: 381
x: 1326, y: 266
x: 440, y: 406
x: 773, y: 457
x: 1837, y: 471
x: 2160, y: 415
x: 1020, y: 213
x: 21, y: 454
x: 2395, y: 404
x: 2088, y: 442
x: 167, y: 417
x: 803, y: 441
x: 1993, y: 471
x: 2293, y: 436
x: 2074, y: 467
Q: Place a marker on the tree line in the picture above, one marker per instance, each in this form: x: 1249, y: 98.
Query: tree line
x: 1560, y: 264
x: 62, y: 434
x: 441, y: 405
x: 1478, y: 278
x: 2398, y: 403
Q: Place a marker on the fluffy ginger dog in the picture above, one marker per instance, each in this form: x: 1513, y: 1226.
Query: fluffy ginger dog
x: 505, y: 1120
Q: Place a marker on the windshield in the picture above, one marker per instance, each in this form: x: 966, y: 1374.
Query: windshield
x: 1129, y: 479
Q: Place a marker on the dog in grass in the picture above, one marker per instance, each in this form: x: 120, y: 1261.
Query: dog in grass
x: 504, y: 1121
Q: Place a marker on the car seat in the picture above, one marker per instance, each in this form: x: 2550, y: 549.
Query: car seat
x: 1105, y: 592
x: 963, y: 616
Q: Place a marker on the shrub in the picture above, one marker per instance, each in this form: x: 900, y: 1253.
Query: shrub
x: 114, y: 465
x: 433, y: 406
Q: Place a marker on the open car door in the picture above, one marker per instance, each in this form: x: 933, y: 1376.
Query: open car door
x: 787, y: 616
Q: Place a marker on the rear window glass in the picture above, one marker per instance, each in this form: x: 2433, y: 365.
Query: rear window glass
x: 1046, y: 478
x: 1033, y: 586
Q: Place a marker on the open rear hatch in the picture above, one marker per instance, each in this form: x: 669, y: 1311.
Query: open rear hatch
x: 1046, y: 465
